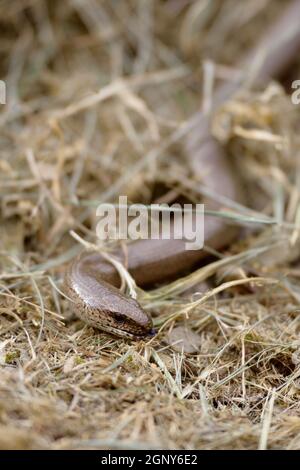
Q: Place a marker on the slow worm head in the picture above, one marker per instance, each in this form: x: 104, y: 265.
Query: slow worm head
x: 91, y: 283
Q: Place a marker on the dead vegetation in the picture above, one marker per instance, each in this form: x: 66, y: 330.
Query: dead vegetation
x: 98, y: 93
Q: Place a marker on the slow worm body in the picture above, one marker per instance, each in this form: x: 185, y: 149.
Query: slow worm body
x: 92, y: 283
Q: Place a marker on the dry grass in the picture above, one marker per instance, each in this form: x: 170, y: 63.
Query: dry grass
x: 98, y: 95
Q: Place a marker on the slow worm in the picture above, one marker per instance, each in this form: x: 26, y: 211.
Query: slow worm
x: 92, y: 283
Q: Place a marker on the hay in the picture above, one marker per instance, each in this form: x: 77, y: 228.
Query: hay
x: 99, y: 96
